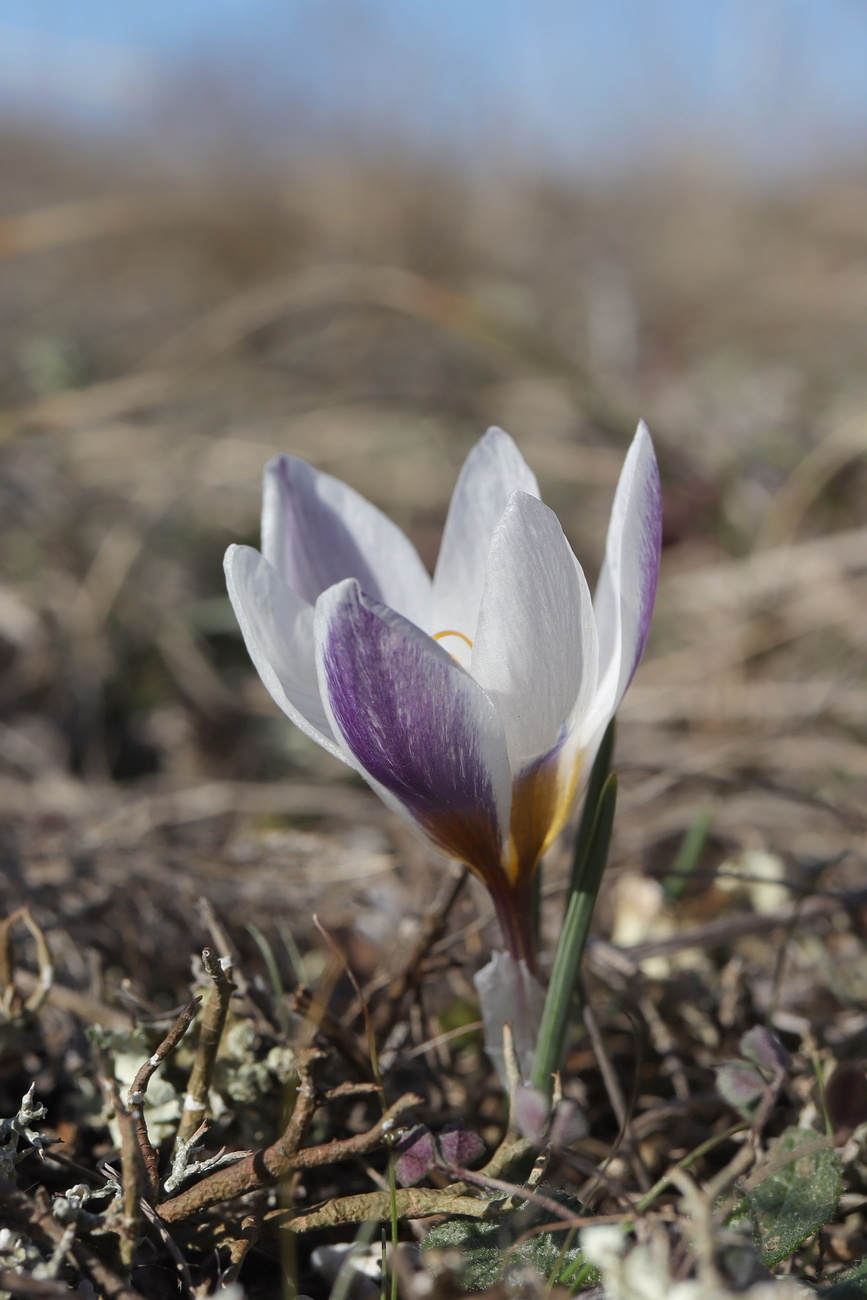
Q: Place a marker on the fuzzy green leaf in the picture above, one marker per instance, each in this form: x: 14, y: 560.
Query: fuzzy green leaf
x: 852, y: 1285
x: 492, y: 1248
x: 798, y: 1196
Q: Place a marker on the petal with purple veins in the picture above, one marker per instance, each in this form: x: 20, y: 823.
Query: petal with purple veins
x: 419, y: 728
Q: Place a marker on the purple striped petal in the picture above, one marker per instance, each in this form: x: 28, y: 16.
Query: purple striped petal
x: 423, y: 732
x: 316, y: 531
x: 627, y: 584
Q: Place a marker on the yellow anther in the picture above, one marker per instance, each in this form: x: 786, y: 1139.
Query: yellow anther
x: 438, y: 636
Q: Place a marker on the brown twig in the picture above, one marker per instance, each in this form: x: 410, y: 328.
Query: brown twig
x: 419, y: 1203
x: 133, y: 1173
x: 411, y: 1203
x: 12, y: 1003
x: 139, y: 1085
x: 221, y: 941
x: 213, y: 1022
x: 350, y: 1089
x: 248, y: 1234
x: 136, y: 1095
x: 270, y: 1165
x: 34, y: 1288
x: 305, y: 1104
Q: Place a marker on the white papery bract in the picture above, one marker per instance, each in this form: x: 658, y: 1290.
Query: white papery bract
x: 472, y: 702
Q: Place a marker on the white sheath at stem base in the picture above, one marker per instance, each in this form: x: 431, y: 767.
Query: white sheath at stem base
x: 510, y: 994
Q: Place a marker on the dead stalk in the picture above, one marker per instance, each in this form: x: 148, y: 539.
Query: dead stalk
x: 12, y: 1002
x: 133, y: 1173
x: 213, y: 1022
x: 136, y: 1096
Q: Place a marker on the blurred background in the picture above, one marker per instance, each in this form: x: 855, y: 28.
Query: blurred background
x: 362, y: 231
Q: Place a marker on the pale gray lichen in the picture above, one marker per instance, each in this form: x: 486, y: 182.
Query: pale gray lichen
x: 17, y: 1127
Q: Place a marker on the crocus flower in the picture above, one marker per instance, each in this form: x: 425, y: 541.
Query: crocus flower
x: 472, y: 702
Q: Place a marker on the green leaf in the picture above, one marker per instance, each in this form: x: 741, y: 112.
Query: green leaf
x: 688, y: 855
x: 797, y: 1195
x: 492, y: 1248
x: 851, y: 1285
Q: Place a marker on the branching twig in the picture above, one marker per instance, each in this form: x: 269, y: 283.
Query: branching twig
x: 213, y: 1021
x: 277, y: 1161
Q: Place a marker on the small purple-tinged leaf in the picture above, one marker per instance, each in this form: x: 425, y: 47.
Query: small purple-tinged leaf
x: 767, y: 1052
x: 415, y: 1155
x: 461, y: 1146
x: 740, y: 1085
x: 568, y: 1125
x: 532, y: 1112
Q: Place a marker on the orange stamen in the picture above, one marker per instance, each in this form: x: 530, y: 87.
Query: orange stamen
x: 438, y: 636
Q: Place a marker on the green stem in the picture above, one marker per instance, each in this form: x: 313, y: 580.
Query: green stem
x: 708, y: 1145
x: 590, y: 858
x: 598, y: 776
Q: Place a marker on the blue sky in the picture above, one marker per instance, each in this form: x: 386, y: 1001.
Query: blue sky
x: 580, y: 83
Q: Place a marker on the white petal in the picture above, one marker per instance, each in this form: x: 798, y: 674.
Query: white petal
x: 535, y: 647
x: 627, y: 582
x: 278, y: 631
x: 493, y: 470
x: 418, y: 727
x: 316, y: 531
x: 510, y: 994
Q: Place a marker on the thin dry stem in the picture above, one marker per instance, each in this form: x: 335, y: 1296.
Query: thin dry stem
x: 138, y: 1089
x: 133, y: 1172
x: 213, y: 1023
